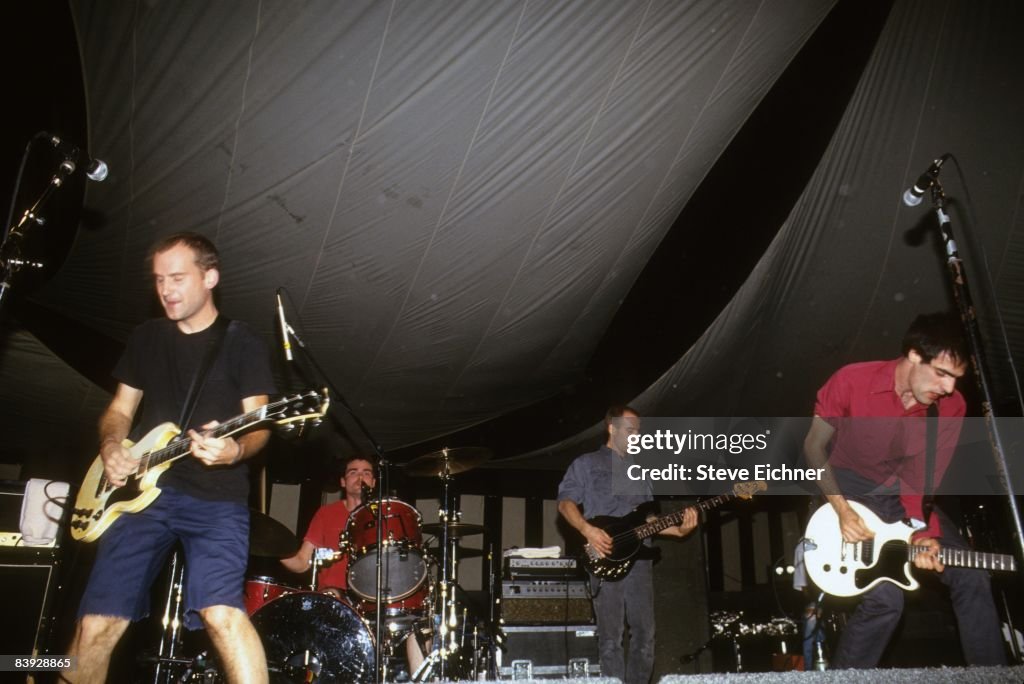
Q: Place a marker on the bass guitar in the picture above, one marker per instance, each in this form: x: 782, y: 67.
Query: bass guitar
x: 629, y: 531
x: 100, y: 503
x: 843, y: 568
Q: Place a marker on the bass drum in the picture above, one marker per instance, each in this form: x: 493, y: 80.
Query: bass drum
x: 314, y: 637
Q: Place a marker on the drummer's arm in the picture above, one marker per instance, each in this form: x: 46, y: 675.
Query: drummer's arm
x: 302, y: 559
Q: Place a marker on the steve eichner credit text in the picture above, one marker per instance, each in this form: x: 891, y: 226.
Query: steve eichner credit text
x: 666, y: 440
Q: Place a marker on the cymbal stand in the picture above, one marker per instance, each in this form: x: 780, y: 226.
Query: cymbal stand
x: 446, y: 641
x: 170, y: 639
x: 493, y: 628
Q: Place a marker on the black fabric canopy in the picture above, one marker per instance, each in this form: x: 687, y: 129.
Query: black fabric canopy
x: 458, y: 197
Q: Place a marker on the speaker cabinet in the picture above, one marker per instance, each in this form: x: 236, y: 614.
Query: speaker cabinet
x: 28, y: 575
x: 549, y: 652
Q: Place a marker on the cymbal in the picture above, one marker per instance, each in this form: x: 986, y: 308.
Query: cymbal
x: 456, y: 530
x: 447, y: 462
x: 270, y: 538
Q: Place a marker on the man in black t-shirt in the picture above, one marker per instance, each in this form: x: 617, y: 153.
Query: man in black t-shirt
x: 203, y: 497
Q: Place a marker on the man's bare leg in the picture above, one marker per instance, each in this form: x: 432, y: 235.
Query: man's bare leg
x: 237, y: 643
x: 94, y: 641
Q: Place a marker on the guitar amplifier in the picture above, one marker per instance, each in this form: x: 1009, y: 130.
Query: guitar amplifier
x: 546, y: 602
x: 542, y: 568
x: 29, y: 575
x: 549, y: 652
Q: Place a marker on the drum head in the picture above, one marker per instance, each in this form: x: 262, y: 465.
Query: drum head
x: 309, y: 636
x: 402, y: 522
x: 404, y: 572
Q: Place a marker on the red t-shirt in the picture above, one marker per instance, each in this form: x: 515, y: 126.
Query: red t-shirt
x: 880, y: 448
x: 324, y: 532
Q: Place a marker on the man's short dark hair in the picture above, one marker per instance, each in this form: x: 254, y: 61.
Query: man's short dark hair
x: 931, y: 335
x: 613, y: 412
x: 617, y: 411
x: 369, y: 458
x: 206, y: 253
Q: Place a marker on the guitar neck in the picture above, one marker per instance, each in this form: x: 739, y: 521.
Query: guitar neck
x: 966, y: 558
x: 668, y: 520
x: 181, y: 447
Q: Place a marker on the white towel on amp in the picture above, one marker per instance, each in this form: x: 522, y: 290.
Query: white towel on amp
x: 42, y: 508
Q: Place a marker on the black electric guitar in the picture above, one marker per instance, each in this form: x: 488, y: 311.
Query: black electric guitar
x: 100, y: 503
x: 844, y: 568
x: 629, y: 531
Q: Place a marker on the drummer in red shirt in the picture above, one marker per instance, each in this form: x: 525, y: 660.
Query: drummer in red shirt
x: 359, y: 477
x: 329, y: 522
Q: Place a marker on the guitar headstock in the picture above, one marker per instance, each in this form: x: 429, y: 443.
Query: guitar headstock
x: 746, y: 490
x: 298, y: 410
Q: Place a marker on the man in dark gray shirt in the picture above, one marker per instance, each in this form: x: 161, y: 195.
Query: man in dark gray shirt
x: 588, y: 483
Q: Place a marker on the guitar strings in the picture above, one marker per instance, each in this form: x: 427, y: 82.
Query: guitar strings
x: 702, y: 505
x: 167, y: 452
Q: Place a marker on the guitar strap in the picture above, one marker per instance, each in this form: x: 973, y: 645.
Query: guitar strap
x: 220, y: 331
x: 930, y: 445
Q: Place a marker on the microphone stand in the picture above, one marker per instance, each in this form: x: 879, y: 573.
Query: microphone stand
x: 383, y: 466
x: 965, y: 305
x: 10, y: 249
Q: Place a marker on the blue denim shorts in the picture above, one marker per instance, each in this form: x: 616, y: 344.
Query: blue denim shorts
x: 135, y: 549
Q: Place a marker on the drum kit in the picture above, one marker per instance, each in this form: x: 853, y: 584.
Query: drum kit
x: 427, y: 630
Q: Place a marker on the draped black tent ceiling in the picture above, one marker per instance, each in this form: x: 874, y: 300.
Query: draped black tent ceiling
x: 458, y: 197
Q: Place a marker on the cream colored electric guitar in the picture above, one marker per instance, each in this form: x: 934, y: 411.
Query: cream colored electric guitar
x: 100, y: 503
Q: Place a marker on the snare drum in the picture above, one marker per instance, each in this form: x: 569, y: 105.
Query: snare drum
x: 404, y: 568
x: 261, y: 590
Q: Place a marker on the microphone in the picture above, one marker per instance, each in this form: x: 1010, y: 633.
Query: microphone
x: 365, y: 493
x: 912, y: 197
x: 284, y: 328
x: 95, y: 169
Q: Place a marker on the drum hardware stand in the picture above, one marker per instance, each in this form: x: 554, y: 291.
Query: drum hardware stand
x: 321, y: 556
x: 446, y: 642
x: 493, y: 626
x: 167, y: 656
x: 200, y: 665
x: 170, y: 638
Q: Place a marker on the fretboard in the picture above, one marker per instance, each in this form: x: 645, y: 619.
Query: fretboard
x: 966, y: 558
x: 655, y: 526
x: 182, y: 445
